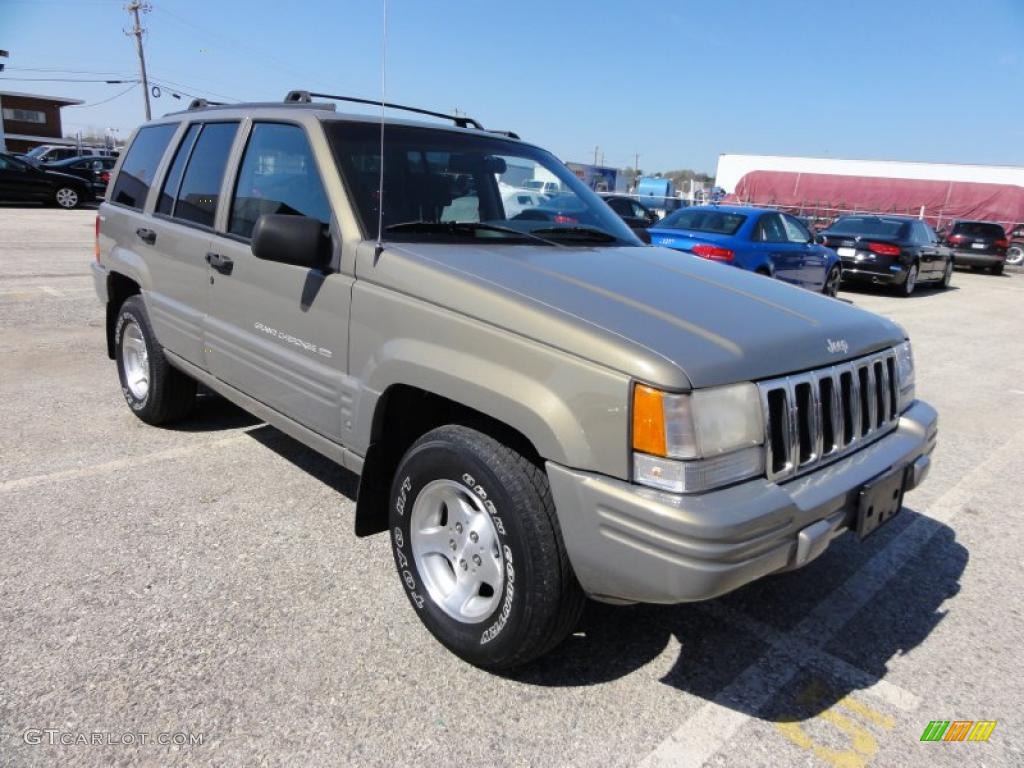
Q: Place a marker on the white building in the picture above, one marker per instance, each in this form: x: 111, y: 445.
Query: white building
x: 732, y: 168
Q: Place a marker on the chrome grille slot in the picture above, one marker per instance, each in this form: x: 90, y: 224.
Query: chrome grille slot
x: 824, y: 414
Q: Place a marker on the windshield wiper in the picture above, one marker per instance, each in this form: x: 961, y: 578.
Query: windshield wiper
x: 584, y: 233
x: 465, y: 227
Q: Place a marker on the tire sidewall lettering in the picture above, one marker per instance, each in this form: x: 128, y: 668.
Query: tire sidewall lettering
x: 494, y: 626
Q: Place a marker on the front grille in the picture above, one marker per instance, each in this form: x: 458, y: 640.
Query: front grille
x: 818, y: 416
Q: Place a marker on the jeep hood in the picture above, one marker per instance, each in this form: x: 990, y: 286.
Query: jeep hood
x: 662, y: 316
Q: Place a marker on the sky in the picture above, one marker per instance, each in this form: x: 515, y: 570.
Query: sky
x: 678, y: 81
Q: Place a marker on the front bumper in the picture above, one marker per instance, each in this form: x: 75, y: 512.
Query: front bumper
x: 975, y: 259
x: 99, y: 280
x: 628, y: 543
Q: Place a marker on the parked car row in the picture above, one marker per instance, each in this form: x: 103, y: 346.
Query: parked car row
x: 67, y: 184
x: 895, y: 251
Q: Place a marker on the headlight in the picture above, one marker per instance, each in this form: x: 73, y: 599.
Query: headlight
x: 696, y: 441
x: 905, y: 374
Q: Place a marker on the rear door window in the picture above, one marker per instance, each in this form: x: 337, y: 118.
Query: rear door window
x: 771, y: 230
x: 278, y: 174
x: 196, y: 199
x: 140, y: 164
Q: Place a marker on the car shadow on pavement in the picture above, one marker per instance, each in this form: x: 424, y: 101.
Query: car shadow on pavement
x: 213, y: 413
x: 721, y: 639
x: 922, y: 291
x: 309, y: 461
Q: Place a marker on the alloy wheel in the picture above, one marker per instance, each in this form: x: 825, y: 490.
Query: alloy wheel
x: 455, y: 546
x: 135, y: 356
x: 67, y: 197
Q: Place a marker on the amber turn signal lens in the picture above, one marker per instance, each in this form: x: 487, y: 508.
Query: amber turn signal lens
x: 648, y: 420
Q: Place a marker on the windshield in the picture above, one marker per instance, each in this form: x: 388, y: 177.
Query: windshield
x: 869, y: 225
x: 704, y: 220
x: 439, y: 184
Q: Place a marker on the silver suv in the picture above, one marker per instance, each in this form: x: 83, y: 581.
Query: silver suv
x: 540, y: 407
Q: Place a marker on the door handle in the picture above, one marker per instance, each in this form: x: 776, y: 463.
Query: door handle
x: 222, y: 264
x: 147, y: 236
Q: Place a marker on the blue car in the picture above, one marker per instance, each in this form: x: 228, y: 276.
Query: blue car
x: 756, y: 239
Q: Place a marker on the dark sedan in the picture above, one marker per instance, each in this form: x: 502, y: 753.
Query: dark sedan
x: 92, y: 168
x: 978, y: 245
x: 636, y: 215
x: 889, y: 250
x: 21, y: 182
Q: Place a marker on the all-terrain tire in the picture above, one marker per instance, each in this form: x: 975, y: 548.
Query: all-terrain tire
x: 168, y: 394
x: 538, y: 601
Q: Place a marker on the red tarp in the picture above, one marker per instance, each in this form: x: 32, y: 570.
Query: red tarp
x: 943, y: 201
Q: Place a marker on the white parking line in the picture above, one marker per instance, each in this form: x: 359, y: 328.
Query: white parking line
x: 51, y: 290
x: 705, y: 732
x: 113, y: 466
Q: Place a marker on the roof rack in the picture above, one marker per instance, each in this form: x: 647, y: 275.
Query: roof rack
x: 203, y: 104
x: 307, y: 96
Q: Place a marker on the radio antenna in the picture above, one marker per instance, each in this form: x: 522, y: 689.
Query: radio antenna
x: 383, y: 100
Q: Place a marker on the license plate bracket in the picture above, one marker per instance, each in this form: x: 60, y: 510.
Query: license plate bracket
x: 879, y: 501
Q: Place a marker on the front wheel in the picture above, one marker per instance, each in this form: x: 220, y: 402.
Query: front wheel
x: 67, y: 197
x: 910, y: 281
x: 1015, y: 255
x: 479, y: 550
x: 832, y: 281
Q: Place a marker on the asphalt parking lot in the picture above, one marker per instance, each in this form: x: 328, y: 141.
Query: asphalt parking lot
x: 206, y: 580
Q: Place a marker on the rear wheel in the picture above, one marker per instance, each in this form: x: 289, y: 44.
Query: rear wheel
x: 947, y: 274
x: 832, y: 281
x: 67, y: 197
x: 996, y: 269
x: 1015, y: 255
x: 910, y: 281
x: 156, y: 392
x: 478, y: 549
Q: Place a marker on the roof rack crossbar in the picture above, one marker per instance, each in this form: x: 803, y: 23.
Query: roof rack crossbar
x: 459, y: 120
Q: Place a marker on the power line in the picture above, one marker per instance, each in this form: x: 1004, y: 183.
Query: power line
x: 117, y: 96
x: 262, y: 54
x: 65, y: 80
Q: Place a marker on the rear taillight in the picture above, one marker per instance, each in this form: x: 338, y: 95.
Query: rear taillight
x: 713, y: 252
x: 561, y: 219
x: 884, y: 249
x: 955, y: 239
x: 97, y: 241
x: 105, y: 177
x: 1004, y: 243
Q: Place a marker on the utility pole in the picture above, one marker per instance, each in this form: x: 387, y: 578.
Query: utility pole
x: 3, y: 138
x: 133, y: 8
x: 595, y: 154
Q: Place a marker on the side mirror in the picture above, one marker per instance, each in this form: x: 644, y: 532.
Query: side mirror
x: 297, y: 240
x: 818, y: 239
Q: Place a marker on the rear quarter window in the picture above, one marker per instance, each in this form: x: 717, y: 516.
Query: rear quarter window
x: 140, y: 164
